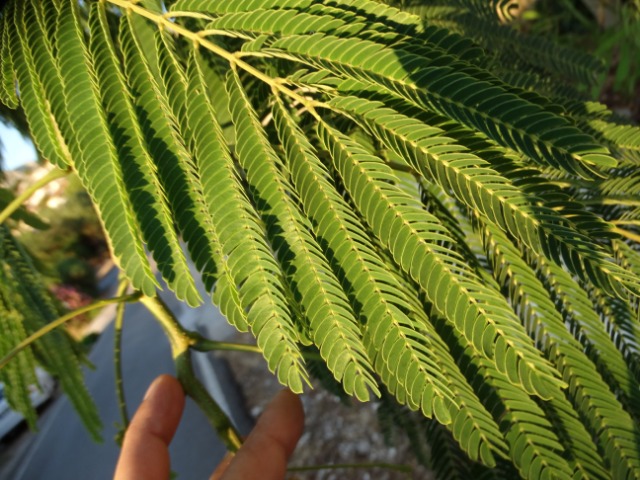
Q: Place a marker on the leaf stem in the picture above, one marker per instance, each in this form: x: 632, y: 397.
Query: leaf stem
x: 182, y: 341
x: 176, y: 14
x: 625, y: 222
x: 203, y: 344
x: 628, y: 234
x: 62, y: 320
x: 117, y: 363
x: 17, y: 202
x: 233, y: 59
x: 216, y: 416
x: 179, y: 337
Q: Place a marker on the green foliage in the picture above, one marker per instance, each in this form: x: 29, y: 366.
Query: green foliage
x: 26, y: 305
x: 424, y: 203
x: 21, y: 214
x: 624, y: 43
x: 610, y: 29
x: 72, y: 243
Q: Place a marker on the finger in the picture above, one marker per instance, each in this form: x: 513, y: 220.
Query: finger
x: 145, y: 450
x: 222, y: 467
x: 266, y: 451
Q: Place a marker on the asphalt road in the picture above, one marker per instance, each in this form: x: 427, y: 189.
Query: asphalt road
x: 63, y: 449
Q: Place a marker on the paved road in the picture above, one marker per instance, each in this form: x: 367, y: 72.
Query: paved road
x: 64, y: 450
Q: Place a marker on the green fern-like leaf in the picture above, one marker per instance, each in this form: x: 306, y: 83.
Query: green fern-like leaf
x: 332, y: 323
x: 8, y: 93
x: 138, y: 170
x: 44, y: 127
x: 451, y: 93
x: 234, y: 5
x: 472, y: 308
x: 270, y: 318
x: 29, y: 306
x: 94, y: 152
x: 533, y: 50
x: 472, y: 180
x: 417, y: 203
x: 545, y: 323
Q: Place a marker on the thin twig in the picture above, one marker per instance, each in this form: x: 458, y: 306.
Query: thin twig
x: 203, y: 344
x: 17, y: 202
x: 117, y: 363
x: 176, y: 14
x: 62, y: 320
x: 233, y: 60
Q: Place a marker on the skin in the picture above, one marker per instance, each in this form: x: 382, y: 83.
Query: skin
x: 264, y: 454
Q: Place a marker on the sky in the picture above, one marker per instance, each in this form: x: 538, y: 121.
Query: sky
x: 16, y: 150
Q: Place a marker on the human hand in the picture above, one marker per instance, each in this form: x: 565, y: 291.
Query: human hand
x: 264, y: 454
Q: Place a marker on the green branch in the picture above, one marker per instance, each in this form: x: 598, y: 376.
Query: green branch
x: 234, y: 60
x: 182, y: 341
x: 625, y: 222
x: 203, y: 344
x: 62, y: 320
x: 117, y: 363
x: 17, y: 202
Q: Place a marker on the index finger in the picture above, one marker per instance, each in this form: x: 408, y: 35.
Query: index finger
x: 145, y: 450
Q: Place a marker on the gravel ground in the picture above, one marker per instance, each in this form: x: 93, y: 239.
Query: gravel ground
x: 334, y: 433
